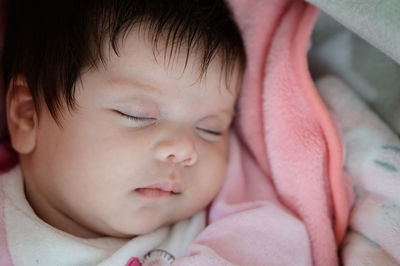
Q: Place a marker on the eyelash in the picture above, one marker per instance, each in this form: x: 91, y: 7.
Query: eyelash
x: 215, y: 133
x: 135, y: 118
x: 141, y: 119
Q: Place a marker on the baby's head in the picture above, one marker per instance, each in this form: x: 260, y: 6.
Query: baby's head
x: 120, y: 110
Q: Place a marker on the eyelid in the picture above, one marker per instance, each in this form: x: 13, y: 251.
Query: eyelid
x: 210, y: 135
x: 134, y: 117
x: 213, y: 132
x: 213, y: 125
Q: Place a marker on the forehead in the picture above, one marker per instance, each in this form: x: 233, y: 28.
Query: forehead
x: 138, y: 56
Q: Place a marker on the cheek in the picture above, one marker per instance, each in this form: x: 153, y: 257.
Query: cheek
x: 103, y: 164
x: 216, y: 164
x: 217, y: 171
x: 211, y: 173
x: 92, y: 157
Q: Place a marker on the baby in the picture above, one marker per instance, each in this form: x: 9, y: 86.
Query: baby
x: 120, y: 113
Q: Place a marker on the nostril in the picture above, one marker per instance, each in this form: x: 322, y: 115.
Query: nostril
x: 171, y: 157
x: 188, y: 161
x: 174, y: 159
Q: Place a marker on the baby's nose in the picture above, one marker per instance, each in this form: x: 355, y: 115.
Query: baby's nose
x: 178, y: 149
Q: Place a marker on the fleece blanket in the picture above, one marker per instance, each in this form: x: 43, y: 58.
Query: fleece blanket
x: 373, y: 162
x: 285, y: 200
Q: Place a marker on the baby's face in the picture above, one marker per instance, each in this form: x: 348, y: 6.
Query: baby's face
x: 146, y: 146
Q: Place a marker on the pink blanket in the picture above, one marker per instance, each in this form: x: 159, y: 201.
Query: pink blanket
x: 290, y: 153
x: 284, y: 201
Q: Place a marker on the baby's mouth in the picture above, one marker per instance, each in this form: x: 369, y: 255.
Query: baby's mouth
x: 162, y: 189
x: 154, y: 193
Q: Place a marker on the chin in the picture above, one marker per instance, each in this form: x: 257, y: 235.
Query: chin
x: 143, y: 226
x: 133, y: 231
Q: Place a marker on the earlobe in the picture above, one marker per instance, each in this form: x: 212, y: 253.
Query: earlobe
x: 22, y: 118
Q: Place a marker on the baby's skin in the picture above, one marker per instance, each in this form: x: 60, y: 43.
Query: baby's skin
x: 146, y: 146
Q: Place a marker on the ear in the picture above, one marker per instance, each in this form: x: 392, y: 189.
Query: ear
x: 22, y: 118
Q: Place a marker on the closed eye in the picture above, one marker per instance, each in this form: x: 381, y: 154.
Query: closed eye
x: 136, y: 118
x: 212, y: 132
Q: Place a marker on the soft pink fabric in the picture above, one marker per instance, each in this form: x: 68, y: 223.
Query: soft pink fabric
x: 283, y: 200
x: 290, y: 152
x: 281, y: 109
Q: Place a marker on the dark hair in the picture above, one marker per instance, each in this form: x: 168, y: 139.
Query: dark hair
x: 51, y: 42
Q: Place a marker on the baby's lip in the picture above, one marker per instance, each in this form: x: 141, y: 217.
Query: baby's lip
x: 167, y: 186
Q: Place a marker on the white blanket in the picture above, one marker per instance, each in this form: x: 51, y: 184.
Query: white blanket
x: 373, y: 164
